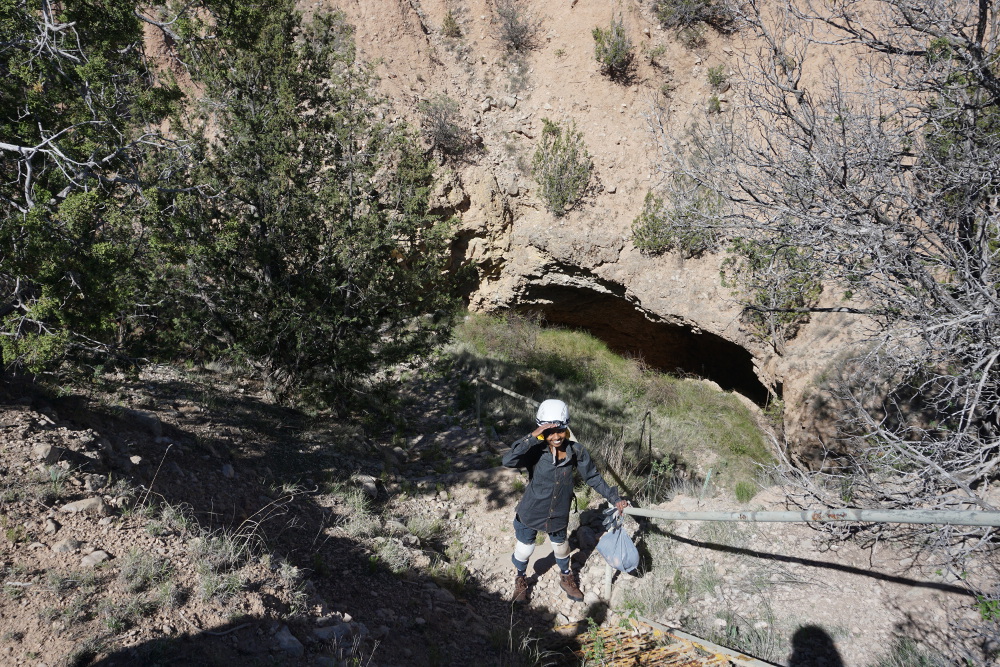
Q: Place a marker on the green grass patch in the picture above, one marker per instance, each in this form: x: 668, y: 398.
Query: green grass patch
x: 692, y: 423
x: 744, y: 491
x: 904, y: 652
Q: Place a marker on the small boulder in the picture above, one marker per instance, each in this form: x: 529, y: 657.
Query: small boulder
x: 95, y: 558
x: 148, y: 420
x: 95, y: 505
x: 368, y: 485
x: 46, y: 453
x: 228, y: 472
x: 287, y: 643
x: 442, y: 595
x: 66, y: 546
x: 338, y: 633
x: 94, y: 483
x: 51, y: 526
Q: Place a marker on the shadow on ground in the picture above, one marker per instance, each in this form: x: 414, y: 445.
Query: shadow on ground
x: 227, y: 458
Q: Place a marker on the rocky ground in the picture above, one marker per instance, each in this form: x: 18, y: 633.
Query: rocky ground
x: 183, y: 518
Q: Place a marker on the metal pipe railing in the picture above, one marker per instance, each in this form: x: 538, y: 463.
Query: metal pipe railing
x: 941, y: 517
x: 937, y: 517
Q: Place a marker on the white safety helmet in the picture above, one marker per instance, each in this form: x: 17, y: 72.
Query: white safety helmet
x: 552, y: 411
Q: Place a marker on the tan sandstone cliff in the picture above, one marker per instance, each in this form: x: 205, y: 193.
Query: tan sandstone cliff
x: 582, y: 270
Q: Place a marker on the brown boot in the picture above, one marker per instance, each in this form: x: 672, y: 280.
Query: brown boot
x: 520, y: 589
x: 568, y: 584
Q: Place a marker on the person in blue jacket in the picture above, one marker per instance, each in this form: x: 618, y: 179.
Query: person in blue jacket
x: 551, y: 454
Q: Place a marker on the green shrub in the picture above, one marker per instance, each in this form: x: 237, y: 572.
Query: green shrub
x: 450, y: 26
x: 516, y: 27
x: 692, y: 36
x: 614, y: 51
x: 681, y: 226
x: 218, y: 585
x: 720, y: 14
x: 359, y: 520
x: 120, y: 616
x: 714, y: 104
x: 744, y: 635
x: 655, y: 56
x: 779, y: 305
x: 425, y: 528
x: 442, y: 123
x: 989, y: 607
x: 393, y: 555
x: 717, y: 76
x: 562, y: 166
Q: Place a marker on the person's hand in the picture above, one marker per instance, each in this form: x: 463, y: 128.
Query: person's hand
x: 544, y: 427
x: 621, y: 505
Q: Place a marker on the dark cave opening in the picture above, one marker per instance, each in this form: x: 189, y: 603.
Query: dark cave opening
x: 665, y: 346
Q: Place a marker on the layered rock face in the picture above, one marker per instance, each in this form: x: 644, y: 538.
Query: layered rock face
x: 581, y: 269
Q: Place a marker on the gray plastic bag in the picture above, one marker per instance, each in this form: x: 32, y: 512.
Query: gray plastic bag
x: 617, y: 548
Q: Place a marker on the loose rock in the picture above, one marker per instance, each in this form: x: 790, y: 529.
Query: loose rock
x: 46, y: 453
x: 287, y: 643
x: 66, y: 546
x: 94, y: 558
x: 94, y: 505
x: 337, y: 633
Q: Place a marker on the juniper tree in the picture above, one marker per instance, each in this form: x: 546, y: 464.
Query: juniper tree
x: 269, y: 217
x: 80, y: 117
x: 310, y: 252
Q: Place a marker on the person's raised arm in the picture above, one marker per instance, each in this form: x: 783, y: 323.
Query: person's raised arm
x: 590, y: 474
x: 520, y: 449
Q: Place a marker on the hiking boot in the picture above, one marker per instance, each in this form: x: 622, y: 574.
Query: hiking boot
x: 520, y: 589
x: 568, y: 584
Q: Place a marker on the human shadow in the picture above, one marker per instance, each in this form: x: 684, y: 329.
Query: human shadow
x: 812, y: 646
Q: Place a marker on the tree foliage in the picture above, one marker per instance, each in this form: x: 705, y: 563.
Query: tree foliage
x: 279, y: 222
x: 684, y: 224
x: 314, y: 257
x: 79, y: 119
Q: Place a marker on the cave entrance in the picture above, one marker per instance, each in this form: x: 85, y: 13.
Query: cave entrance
x: 665, y: 346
